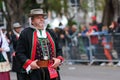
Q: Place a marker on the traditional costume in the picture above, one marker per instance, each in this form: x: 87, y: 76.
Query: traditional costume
x: 31, y: 48
x: 41, y: 45
x: 14, y: 37
x: 4, y: 62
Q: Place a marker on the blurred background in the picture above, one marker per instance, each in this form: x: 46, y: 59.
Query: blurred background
x: 78, y: 11
x: 88, y: 32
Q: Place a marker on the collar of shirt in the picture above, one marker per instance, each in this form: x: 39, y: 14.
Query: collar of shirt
x: 40, y: 33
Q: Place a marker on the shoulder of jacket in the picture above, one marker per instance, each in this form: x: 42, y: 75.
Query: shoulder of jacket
x: 28, y: 29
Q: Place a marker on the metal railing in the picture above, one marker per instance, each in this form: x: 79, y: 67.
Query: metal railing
x: 85, y: 51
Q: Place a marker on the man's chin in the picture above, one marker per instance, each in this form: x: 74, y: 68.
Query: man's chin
x: 41, y: 28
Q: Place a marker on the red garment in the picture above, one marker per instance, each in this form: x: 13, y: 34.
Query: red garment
x: 4, y: 76
x: 94, y: 38
x: 93, y: 18
x: 107, y: 51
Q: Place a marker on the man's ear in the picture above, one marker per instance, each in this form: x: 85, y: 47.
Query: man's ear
x: 32, y: 22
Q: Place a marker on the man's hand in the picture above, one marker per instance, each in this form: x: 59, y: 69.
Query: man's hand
x: 57, y: 62
x: 34, y: 65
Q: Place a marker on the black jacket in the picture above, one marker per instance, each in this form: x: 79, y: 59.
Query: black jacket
x: 26, y: 43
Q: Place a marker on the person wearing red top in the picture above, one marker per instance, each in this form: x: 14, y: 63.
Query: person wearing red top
x: 93, y: 39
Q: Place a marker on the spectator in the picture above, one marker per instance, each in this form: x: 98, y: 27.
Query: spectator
x: 93, y: 39
x: 98, y: 24
x: 85, y: 40
x: 107, y: 44
x: 112, y: 27
x: 72, y: 43
x: 118, y: 25
x: 118, y: 31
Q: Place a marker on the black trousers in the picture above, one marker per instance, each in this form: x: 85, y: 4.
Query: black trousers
x: 22, y: 76
x: 38, y: 74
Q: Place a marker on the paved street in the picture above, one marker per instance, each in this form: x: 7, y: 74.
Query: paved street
x: 82, y: 72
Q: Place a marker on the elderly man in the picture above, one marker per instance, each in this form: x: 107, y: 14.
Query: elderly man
x: 38, y: 50
x: 17, y: 27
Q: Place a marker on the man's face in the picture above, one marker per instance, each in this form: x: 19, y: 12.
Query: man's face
x: 38, y: 21
x: 18, y: 30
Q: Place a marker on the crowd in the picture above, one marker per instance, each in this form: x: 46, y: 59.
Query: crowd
x: 88, y: 39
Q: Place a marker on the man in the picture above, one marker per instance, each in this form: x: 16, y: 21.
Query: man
x: 16, y: 33
x: 13, y: 40
x: 38, y: 50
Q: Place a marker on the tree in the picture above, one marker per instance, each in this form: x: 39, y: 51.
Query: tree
x: 111, y: 11
x: 87, y: 6
x: 17, y: 9
x: 14, y: 11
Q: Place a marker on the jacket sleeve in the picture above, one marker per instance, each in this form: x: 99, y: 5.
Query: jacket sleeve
x: 21, y: 52
x: 59, y: 54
